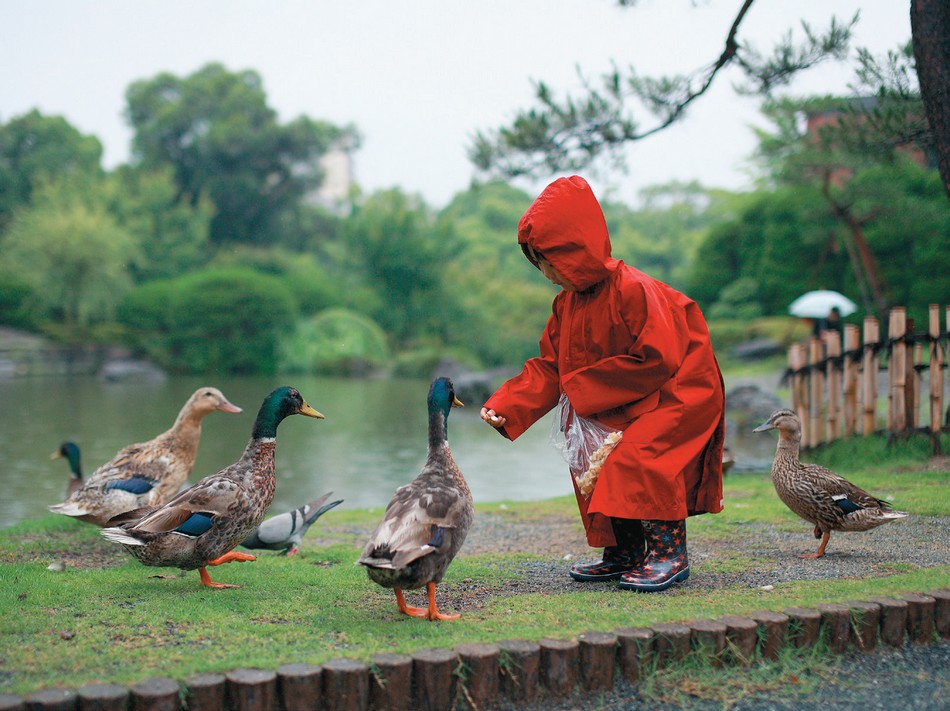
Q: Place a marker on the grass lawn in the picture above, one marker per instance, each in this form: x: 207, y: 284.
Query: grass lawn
x: 100, y: 621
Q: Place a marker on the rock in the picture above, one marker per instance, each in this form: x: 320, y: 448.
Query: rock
x: 125, y: 370
x: 472, y: 388
x: 753, y: 400
x: 756, y: 349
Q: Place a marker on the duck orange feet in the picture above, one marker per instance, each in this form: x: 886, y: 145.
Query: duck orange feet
x: 430, y: 613
x: 207, y: 582
x: 232, y: 557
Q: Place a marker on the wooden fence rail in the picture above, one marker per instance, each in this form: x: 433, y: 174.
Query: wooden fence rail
x: 838, y: 387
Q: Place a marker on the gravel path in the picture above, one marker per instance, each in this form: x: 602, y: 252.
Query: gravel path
x: 558, y: 540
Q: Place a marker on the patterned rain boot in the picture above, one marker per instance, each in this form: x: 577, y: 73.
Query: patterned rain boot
x: 617, y: 560
x: 666, y: 561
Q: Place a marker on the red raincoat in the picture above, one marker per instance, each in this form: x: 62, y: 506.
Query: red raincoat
x: 628, y: 351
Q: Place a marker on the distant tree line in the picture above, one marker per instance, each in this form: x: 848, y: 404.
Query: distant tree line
x: 208, y: 253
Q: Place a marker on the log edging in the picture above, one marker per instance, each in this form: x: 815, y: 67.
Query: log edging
x: 480, y: 676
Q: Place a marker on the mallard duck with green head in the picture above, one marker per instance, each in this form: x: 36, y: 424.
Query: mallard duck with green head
x: 203, y: 524
x: 817, y: 494
x: 148, y: 473
x: 426, y: 521
x: 70, y: 452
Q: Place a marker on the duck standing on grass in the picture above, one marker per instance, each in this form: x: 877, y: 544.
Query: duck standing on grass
x: 426, y: 521
x: 203, y: 524
x: 285, y: 531
x: 70, y: 452
x: 817, y: 494
x: 148, y: 473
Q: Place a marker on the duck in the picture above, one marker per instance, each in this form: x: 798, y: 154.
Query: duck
x: 70, y: 452
x: 147, y: 473
x: 203, y: 525
x: 426, y: 521
x: 285, y: 531
x: 817, y: 494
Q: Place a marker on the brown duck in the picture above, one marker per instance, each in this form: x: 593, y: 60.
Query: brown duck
x: 148, y: 473
x: 426, y: 520
x: 203, y: 524
x: 817, y: 494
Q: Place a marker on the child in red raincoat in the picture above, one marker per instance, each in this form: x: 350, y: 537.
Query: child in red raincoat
x: 632, y: 354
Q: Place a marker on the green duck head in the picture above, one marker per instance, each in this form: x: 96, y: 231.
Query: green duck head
x: 441, y: 400
x: 69, y: 451
x: 281, y: 403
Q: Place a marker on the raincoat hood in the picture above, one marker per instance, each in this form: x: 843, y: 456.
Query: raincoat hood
x: 566, y: 225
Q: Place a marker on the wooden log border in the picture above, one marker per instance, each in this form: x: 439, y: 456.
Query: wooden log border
x: 480, y: 676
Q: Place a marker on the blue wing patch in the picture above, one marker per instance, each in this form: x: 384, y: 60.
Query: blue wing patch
x: 134, y: 485
x: 437, y: 536
x: 195, y: 525
x: 846, y: 504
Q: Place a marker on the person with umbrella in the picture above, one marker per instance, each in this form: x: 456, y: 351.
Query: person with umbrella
x: 823, y: 308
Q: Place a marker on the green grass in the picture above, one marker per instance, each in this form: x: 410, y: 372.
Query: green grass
x: 120, y: 624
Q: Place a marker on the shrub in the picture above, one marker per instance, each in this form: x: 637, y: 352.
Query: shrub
x: 335, y: 342
x: 214, y: 321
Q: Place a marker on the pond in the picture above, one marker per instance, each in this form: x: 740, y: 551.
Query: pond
x: 372, y: 441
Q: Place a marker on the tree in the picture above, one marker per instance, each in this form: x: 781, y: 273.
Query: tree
x: 930, y: 28
x: 37, y: 149
x: 395, y: 242
x: 788, y: 241
x: 215, y: 129
x: 73, y: 254
x: 171, y: 233
x: 569, y: 134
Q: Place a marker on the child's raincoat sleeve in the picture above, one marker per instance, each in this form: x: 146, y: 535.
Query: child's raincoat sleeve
x: 526, y: 398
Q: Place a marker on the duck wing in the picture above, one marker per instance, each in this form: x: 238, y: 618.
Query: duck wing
x: 194, y: 509
x: 136, y: 469
x: 847, y: 496
x: 419, y: 520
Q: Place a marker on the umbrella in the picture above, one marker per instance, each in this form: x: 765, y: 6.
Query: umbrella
x: 818, y: 304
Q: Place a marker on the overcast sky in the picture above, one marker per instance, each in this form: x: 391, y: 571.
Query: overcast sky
x: 417, y: 77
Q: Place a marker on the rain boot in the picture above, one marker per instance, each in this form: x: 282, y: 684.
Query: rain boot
x: 666, y: 561
x: 618, y: 559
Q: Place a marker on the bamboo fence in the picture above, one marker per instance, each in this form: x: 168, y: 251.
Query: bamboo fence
x: 842, y: 385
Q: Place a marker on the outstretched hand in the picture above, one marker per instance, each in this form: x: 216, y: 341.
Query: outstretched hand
x: 492, y: 418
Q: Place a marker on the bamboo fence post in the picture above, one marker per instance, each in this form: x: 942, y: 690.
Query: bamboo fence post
x: 916, y: 379
x: 897, y: 371
x: 797, y: 359
x: 833, y: 369
x: 936, y: 378
x: 850, y: 377
x: 869, y: 365
x: 816, y: 393
x: 911, y: 392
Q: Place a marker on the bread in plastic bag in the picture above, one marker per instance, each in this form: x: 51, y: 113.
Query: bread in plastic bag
x: 584, y: 443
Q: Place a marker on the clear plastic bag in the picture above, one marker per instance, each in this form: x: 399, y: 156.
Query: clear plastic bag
x: 584, y: 443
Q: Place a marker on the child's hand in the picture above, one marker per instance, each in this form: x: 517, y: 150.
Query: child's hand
x: 492, y: 418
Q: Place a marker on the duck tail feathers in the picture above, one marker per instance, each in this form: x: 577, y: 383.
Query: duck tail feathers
x: 889, y: 515
x: 69, y: 508
x: 119, y: 535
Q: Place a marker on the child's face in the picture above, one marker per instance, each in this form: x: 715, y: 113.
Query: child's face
x: 550, y: 273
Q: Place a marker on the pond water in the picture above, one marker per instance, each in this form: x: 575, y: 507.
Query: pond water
x: 372, y: 440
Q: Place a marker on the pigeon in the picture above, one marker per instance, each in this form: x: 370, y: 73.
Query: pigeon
x: 284, y: 531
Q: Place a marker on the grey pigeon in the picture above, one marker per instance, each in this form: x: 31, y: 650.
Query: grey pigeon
x: 285, y: 531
